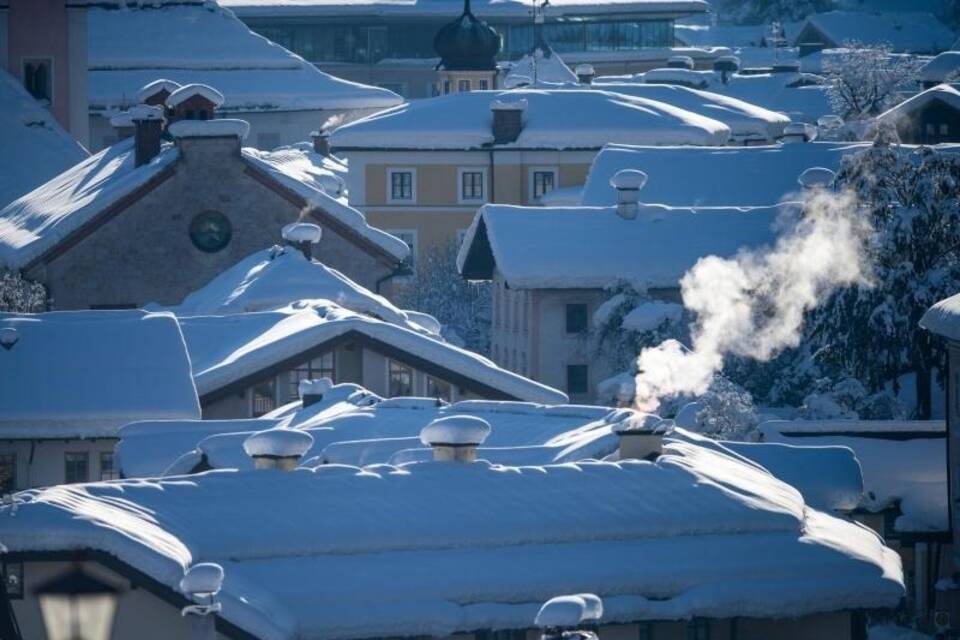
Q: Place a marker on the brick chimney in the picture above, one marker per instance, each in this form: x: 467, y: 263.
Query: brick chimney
x: 585, y: 73
x: 641, y: 436
x: 628, y: 183
x: 147, y: 127
x: 507, y: 120
x: 302, y: 235
x: 321, y: 142
x: 455, y: 438
x: 279, y: 449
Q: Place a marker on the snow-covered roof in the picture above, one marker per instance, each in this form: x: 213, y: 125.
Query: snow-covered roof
x: 943, y: 65
x: 87, y: 373
x: 227, y: 349
x: 944, y: 93
x: 550, y: 68
x: 901, y: 466
x: 746, y: 121
x: 225, y: 127
x: 943, y: 318
x: 35, y: 146
x: 38, y: 221
x: 275, y: 278
x: 202, y: 43
x: 185, y: 92
x: 906, y: 31
x: 553, y: 119
x: 452, y: 8
x: 708, y: 176
x: 435, y: 549
x: 598, y: 248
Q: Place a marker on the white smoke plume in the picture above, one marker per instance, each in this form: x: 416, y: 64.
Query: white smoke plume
x: 753, y: 304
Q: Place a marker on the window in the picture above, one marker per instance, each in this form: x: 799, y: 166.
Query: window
x: 541, y: 182
x: 439, y: 389
x: 401, y: 187
x: 576, y: 317
x: 944, y: 129
x: 463, y: 85
x: 409, y: 236
x: 577, y: 378
x: 13, y: 579
x: 931, y: 130
x: 698, y: 629
x: 8, y: 473
x: 268, y: 140
x: 472, y: 185
x: 483, y: 84
x: 76, y: 467
x: 433, y: 89
x: 401, y: 379
x: 320, y: 367
x: 645, y: 631
x: 263, y: 397
x: 108, y: 470
x: 446, y: 87
x: 38, y: 78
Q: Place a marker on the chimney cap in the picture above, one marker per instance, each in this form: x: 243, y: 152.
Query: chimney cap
x: 318, y: 386
x: 302, y: 232
x: 153, y: 88
x: 202, y: 580
x: 278, y: 443
x: 500, y: 104
x: 187, y: 91
x: 569, y: 612
x: 640, y: 423
x: 584, y: 69
x: 632, y: 179
x: 816, y: 177
x: 456, y: 430
x: 145, y: 112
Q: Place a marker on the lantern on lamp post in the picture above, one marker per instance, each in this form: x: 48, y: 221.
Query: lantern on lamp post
x: 77, y: 606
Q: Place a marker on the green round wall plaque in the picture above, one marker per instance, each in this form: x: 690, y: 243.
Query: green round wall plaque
x: 210, y: 231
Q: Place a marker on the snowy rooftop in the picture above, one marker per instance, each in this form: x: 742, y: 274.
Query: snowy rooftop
x: 902, y: 466
x: 597, y: 247
x: 913, y: 32
x: 452, y: 8
x: 35, y: 147
x: 38, y: 221
x: 943, y: 318
x: 944, y: 93
x: 746, y: 121
x: 553, y: 119
x: 202, y: 43
x: 710, y: 177
x: 944, y: 65
x: 550, y: 68
x: 412, y: 556
x: 227, y: 349
x: 87, y: 373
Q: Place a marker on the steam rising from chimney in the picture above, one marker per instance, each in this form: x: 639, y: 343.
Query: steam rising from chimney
x: 753, y: 305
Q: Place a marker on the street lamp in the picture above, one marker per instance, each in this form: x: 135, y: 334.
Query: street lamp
x: 77, y: 606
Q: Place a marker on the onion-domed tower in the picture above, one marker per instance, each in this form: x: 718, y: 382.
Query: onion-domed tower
x: 468, y: 49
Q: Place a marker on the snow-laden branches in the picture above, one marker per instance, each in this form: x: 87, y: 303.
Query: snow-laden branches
x: 863, y: 78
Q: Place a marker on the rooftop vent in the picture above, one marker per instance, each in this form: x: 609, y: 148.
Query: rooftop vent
x: 279, y: 449
x: 585, y: 73
x: 628, y: 183
x: 312, y: 391
x: 680, y: 62
x: 726, y: 66
x: 815, y: 177
x: 641, y: 436
x: 455, y: 438
x: 507, y: 120
x: 565, y: 617
x: 202, y: 582
x: 9, y: 337
x: 799, y: 132
x: 302, y: 235
x: 321, y: 142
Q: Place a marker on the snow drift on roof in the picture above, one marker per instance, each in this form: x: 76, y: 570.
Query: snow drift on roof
x: 941, y: 93
x: 433, y: 549
x: 554, y: 119
x: 194, y: 43
x: 110, y: 368
x: 943, y: 318
x: 905, y: 31
x: 39, y: 220
x: 741, y: 176
x: 35, y: 147
x: 944, y: 65
x: 599, y: 248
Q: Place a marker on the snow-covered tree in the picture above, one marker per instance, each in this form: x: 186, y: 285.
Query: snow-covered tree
x: 863, y: 78
x: 20, y: 295
x: 726, y: 411
x: 765, y: 11
x: 462, y: 307
x: 871, y: 332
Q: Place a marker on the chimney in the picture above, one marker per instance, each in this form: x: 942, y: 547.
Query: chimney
x: 147, y: 126
x: 302, y: 235
x: 641, y: 436
x: 279, y: 449
x: 628, y: 183
x: 321, y: 142
x: 312, y: 391
x: 799, y: 132
x: 455, y: 438
x: 507, y: 120
x: 122, y: 124
x: 817, y: 177
x: 566, y: 617
x: 585, y: 73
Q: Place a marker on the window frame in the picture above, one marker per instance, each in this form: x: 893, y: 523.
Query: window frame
x: 86, y: 457
x: 272, y: 381
x: 586, y: 381
x: 19, y: 570
x: 531, y: 181
x: 567, y: 307
x: 312, y: 373
x: 464, y: 82
x: 413, y: 382
x: 461, y: 172
x: 51, y: 66
x: 114, y: 472
x: 14, y: 479
x: 391, y: 171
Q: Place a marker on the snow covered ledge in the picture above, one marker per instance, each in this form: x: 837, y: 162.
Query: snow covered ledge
x: 222, y: 128
x: 455, y: 438
x: 279, y: 449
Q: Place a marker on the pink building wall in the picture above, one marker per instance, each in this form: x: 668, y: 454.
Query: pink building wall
x: 38, y: 29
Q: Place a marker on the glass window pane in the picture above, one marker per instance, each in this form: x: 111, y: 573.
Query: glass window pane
x: 577, y: 378
x: 401, y: 380
x: 264, y: 397
x: 108, y: 470
x: 76, y: 467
